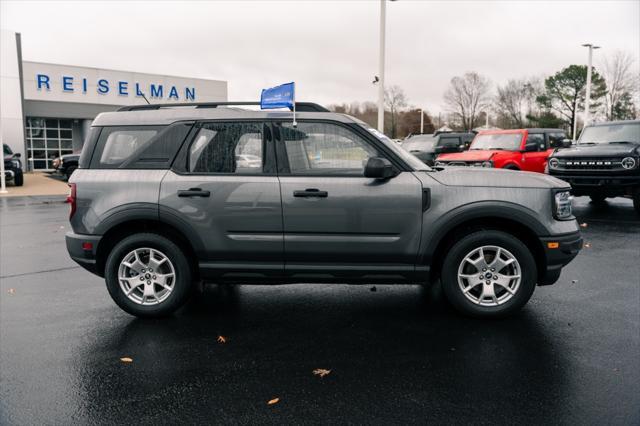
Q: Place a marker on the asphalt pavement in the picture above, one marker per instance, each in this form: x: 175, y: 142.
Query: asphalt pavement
x: 397, y: 355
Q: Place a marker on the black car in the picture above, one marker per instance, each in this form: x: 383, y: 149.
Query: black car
x: 604, y: 163
x: 66, y: 164
x: 12, y: 166
x: 427, y: 146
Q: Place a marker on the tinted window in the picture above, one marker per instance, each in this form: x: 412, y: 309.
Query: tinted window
x: 555, y: 139
x: 538, y: 139
x: 119, y: 144
x: 449, y: 141
x: 324, y: 148
x: 227, y: 148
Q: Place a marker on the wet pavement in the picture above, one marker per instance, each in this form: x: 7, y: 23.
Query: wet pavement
x: 397, y: 355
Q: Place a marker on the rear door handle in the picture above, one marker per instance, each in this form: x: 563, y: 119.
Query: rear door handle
x: 193, y: 192
x: 311, y: 193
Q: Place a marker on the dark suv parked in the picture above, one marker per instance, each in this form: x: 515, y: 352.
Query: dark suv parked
x: 427, y: 146
x: 168, y: 197
x: 66, y: 164
x: 604, y: 163
x: 12, y: 166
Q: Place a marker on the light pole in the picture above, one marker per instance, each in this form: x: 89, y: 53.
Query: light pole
x: 3, y: 183
x: 381, y: 67
x: 421, y: 120
x: 587, y: 99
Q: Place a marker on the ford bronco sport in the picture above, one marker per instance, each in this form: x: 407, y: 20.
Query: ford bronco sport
x: 604, y: 163
x: 165, y: 199
x: 520, y: 149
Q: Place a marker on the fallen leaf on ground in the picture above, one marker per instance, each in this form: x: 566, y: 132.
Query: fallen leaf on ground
x: 221, y: 339
x: 11, y: 291
x: 321, y: 372
x: 373, y: 288
x: 574, y: 281
x: 583, y: 225
x: 126, y: 359
x: 587, y: 245
x: 273, y: 401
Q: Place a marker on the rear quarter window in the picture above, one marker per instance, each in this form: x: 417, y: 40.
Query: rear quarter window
x: 118, y: 145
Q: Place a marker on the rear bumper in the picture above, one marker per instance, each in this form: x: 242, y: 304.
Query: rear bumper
x: 567, y: 247
x: 77, y: 246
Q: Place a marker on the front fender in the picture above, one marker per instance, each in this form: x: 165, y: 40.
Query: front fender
x: 437, y: 230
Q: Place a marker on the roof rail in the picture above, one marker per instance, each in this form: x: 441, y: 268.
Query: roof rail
x: 300, y: 106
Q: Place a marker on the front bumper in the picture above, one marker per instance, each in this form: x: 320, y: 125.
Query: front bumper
x: 559, y: 251
x: 77, y: 246
x: 598, y: 181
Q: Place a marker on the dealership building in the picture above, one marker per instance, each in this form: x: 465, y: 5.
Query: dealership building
x: 47, y: 109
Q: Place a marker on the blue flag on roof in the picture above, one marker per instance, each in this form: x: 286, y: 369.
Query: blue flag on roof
x: 282, y: 96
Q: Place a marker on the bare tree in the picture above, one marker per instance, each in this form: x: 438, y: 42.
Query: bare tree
x: 467, y: 96
x: 622, y: 84
x: 395, y: 100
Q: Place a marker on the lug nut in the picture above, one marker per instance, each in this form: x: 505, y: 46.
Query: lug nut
x: 154, y: 277
x: 484, y: 269
x: 150, y: 270
x: 149, y: 282
x: 481, y: 277
x: 141, y: 278
x: 493, y: 269
x: 495, y: 277
x: 488, y: 282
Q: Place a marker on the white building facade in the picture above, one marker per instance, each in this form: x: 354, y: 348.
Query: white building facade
x: 47, y: 109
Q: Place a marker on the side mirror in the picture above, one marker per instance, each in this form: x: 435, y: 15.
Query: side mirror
x: 530, y: 147
x: 438, y: 149
x: 378, y: 168
x: 565, y: 143
x: 17, y: 155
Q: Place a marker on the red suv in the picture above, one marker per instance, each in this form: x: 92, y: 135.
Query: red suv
x: 520, y: 149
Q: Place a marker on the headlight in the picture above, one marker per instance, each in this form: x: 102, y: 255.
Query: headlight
x: 562, y: 205
x: 553, y: 163
x: 487, y: 164
x: 628, y: 162
x: 16, y: 163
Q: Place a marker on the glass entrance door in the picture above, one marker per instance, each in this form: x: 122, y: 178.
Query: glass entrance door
x: 47, y: 138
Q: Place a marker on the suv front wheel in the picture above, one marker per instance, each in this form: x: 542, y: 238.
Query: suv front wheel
x: 148, y: 275
x: 488, y: 274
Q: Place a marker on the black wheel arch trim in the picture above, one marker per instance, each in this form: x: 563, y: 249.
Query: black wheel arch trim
x: 476, y: 211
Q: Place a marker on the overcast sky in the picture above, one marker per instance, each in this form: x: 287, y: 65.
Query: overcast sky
x: 329, y: 48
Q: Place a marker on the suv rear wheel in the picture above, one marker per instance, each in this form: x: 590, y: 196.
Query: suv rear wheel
x: 148, y: 275
x: 488, y: 274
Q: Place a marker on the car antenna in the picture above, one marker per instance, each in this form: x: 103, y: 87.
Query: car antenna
x: 145, y: 98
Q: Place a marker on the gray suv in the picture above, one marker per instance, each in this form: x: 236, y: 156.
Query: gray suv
x: 167, y: 198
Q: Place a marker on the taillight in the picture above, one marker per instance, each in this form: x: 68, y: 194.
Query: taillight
x: 71, y: 199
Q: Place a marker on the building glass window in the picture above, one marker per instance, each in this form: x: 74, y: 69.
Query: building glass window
x: 47, y: 139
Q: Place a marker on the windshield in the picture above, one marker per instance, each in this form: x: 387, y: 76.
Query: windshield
x: 420, y: 143
x: 504, y: 141
x: 6, y: 150
x: 614, y: 133
x: 414, y: 162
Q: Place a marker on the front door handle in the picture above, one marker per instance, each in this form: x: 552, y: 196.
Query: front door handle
x: 193, y: 192
x: 311, y: 193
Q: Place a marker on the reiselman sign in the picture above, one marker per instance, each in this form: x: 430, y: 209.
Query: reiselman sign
x: 103, y: 86
x: 84, y: 85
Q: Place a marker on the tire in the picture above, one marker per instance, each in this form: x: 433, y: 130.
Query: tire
x: 140, y: 302
x: 598, y: 199
x: 70, y: 171
x: 505, y: 302
x: 636, y: 202
x: 511, y: 167
x: 18, y: 179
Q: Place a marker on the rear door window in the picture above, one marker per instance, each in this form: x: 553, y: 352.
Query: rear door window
x: 228, y: 148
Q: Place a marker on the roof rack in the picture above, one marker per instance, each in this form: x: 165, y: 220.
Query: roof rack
x: 300, y: 106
